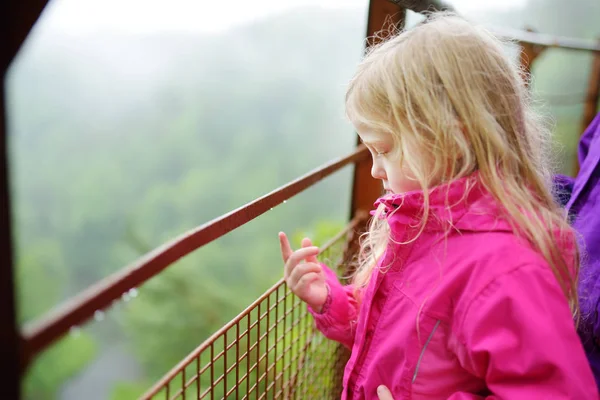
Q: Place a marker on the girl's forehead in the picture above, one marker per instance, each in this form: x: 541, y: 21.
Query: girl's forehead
x: 372, y: 136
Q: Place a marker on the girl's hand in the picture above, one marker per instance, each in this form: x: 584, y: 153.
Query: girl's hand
x: 305, y: 279
x: 383, y: 393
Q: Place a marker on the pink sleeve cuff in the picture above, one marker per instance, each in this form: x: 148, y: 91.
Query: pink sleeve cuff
x: 339, y: 310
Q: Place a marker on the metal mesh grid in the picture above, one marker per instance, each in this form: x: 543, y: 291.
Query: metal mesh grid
x: 270, y: 351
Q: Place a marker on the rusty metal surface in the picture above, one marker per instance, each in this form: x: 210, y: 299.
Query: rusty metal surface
x: 53, y: 325
x: 271, y: 350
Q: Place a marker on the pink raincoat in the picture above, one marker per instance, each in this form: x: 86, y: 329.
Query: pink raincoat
x: 473, y: 313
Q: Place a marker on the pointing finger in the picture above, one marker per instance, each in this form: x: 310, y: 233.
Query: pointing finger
x: 286, y: 249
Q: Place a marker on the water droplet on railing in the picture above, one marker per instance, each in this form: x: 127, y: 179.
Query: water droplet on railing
x: 133, y: 292
x: 126, y: 297
x: 271, y: 209
x: 285, y: 201
x: 99, y: 315
x: 75, y: 331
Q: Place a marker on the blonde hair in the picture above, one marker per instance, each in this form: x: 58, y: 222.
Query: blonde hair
x: 455, y: 103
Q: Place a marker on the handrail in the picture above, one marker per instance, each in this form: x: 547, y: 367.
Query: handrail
x: 39, y: 334
x: 542, y: 39
x: 356, y: 221
x: 534, y: 38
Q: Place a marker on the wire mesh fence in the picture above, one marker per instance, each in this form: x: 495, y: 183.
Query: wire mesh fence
x: 270, y: 351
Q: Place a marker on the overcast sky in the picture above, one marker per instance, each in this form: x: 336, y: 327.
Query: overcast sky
x: 140, y: 16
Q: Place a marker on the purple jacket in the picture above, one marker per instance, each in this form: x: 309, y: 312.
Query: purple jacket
x: 581, y: 197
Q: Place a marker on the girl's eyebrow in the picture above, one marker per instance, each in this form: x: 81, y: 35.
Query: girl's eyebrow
x: 374, y: 143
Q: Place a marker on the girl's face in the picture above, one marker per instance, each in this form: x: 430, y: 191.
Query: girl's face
x: 387, y: 164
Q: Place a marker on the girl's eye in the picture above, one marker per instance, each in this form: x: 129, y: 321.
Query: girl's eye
x: 381, y: 153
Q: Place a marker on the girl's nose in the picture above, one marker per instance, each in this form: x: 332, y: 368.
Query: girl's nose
x: 377, y: 171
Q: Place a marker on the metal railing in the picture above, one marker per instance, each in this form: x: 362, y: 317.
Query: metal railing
x: 271, y: 350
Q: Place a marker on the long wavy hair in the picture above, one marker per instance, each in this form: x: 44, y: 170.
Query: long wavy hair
x: 454, y: 103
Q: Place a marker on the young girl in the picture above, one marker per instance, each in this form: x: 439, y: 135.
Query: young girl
x: 466, y: 283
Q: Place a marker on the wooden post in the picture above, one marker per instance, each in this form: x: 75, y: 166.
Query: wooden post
x: 529, y: 52
x: 365, y: 189
x: 592, y: 97
x: 16, y: 19
x: 9, y: 332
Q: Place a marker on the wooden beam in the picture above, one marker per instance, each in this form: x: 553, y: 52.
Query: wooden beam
x: 529, y: 52
x: 421, y: 6
x: 16, y: 19
x: 9, y: 332
x: 523, y: 36
x: 365, y: 189
x: 540, y: 39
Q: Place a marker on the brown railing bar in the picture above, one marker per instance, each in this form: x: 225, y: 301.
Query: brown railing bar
x: 261, y: 337
x: 198, y: 376
x: 263, y: 314
x: 267, y: 340
x: 242, y: 378
x: 219, y: 355
x: 39, y: 334
x: 205, y: 368
x: 247, y: 352
x: 233, y: 389
x: 237, y: 356
x: 212, y: 371
x: 231, y: 368
x: 260, y: 378
x: 262, y: 357
x: 205, y: 393
x: 224, y: 358
x: 230, y: 346
x: 277, y: 301
x: 522, y: 36
x: 183, y: 383
x: 190, y: 382
x: 244, y: 314
x: 546, y: 40
x: 177, y: 394
x: 270, y: 386
x: 219, y: 380
x: 252, y: 388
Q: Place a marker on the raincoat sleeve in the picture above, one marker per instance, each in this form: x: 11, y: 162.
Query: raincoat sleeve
x: 518, y: 335
x: 337, y: 318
